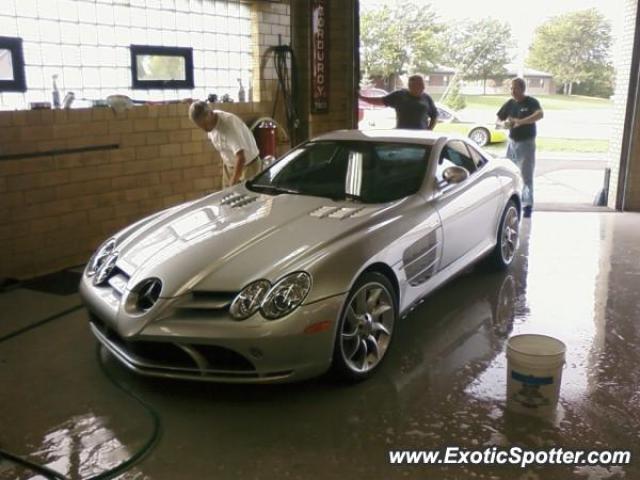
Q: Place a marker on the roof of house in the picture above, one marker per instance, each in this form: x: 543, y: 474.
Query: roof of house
x: 512, y: 69
x: 442, y: 69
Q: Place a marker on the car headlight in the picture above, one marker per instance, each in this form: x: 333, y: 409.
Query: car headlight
x: 248, y: 301
x: 98, y: 258
x: 286, y: 295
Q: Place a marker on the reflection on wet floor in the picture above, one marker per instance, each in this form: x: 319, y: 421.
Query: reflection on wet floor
x: 83, y: 444
x: 575, y: 278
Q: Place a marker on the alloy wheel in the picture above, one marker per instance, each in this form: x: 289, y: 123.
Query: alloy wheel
x: 367, y: 327
x: 510, y: 234
x: 479, y: 136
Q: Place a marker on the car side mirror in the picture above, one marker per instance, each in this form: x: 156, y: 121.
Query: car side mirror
x: 455, y: 174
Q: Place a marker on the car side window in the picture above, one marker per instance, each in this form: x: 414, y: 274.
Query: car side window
x: 477, y: 157
x: 456, y: 153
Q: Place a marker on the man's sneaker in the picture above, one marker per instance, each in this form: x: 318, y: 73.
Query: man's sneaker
x: 526, y: 212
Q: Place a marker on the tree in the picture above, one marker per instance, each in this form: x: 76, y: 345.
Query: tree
x: 478, y: 49
x: 454, y: 99
x: 574, y: 47
x: 160, y: 67
x: 399, y: 39
x: 600, y: 84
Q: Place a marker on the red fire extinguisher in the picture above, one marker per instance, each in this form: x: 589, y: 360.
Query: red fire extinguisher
x: 264, y: 131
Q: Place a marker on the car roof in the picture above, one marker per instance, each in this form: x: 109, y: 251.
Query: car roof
x: 425, y: 137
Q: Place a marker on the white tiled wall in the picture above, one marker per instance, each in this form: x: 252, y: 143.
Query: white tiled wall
x: 86, y: 43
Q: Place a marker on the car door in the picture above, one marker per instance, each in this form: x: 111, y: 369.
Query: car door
x: 468, y: 209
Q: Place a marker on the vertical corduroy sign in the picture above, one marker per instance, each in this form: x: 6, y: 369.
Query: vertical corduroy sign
x: 319, y: 57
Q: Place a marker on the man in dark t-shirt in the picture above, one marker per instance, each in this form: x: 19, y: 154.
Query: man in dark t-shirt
x: 519, y: 115
x: 415, y: 109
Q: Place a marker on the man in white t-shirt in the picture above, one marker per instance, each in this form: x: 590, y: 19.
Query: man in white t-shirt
x: 232, y: 138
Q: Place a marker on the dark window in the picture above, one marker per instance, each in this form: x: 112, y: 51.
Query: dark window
x: 11, y: 65
x: 370, y: 172
x: 454, y: 153
x: 161, y: 67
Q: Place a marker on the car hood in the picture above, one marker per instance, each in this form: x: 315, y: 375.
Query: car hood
x: 228, y: 239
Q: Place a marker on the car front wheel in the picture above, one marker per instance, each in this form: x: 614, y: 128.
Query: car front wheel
x: 508, y: 237
x: 366, y: 327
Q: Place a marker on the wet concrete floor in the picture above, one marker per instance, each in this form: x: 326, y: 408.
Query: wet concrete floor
x: 576, y: 277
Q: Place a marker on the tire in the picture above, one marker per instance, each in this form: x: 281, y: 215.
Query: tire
x: 508, y: 238
x: 480, y: 136
x: 366, y: 326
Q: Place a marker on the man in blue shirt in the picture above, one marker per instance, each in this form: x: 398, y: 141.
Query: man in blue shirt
x: 415, y: 109
x: 519, y: 115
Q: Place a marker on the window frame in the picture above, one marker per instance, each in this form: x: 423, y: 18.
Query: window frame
x: 19, y: 83
x: 184, y: 52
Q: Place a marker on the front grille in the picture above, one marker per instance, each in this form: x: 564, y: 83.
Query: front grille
x: 158, y: 353
x: 220, y: 358
x: 170, y: 356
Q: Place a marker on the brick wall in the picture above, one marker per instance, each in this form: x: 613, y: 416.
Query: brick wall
x: 343, y: 65
x: 55, y: 209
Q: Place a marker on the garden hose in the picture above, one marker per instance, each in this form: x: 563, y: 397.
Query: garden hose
x: 283, y: 56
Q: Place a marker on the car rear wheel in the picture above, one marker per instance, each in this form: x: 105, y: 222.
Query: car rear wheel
x: 366, y: 327
x: 480, y: 136
x: 508, y: 237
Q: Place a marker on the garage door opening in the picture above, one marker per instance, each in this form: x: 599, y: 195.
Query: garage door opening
x: 575, y: 57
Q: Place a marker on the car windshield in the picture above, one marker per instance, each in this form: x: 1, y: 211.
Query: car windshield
x: 370, y: 172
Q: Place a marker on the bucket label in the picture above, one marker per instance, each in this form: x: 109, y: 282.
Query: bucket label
x: 529, y: 396
x: 530, y: 379
x: 530, y: 391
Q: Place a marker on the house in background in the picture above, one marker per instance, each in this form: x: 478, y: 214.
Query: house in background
x: 538, y: 82
x: 438, y: 80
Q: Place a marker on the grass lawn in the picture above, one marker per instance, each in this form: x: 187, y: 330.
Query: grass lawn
x: 548, y: 102
x: 570, y: 145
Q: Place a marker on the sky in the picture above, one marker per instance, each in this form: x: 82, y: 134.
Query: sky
x: 523, y: 16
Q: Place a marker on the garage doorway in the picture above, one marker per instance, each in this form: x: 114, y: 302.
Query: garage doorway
x: 468, y: 58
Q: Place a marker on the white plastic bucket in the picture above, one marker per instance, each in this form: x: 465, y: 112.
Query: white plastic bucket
x: 534, y: 373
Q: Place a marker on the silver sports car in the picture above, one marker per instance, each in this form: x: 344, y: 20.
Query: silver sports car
x: 309, y: 266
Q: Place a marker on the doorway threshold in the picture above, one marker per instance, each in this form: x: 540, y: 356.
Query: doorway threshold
x: 570, y: 207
